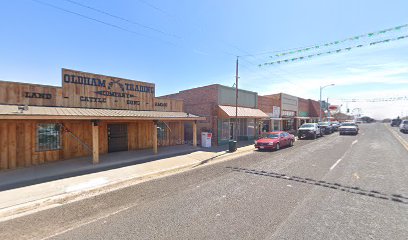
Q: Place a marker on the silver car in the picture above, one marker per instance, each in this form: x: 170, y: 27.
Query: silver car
x: 404, y: 126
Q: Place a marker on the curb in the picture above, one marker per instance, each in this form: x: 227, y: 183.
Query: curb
x: 91, y: 169
x: 60, y: 199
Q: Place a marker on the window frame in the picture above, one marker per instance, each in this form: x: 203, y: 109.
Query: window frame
x: 48, y: 145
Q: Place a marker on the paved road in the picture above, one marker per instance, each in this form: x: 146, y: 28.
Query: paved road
x: 336, y: 187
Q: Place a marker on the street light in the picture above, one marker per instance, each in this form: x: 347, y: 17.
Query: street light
x: 320, y: 102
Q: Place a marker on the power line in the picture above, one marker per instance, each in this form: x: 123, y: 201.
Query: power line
x: 154, y: 7
x: 97, y: 20
x: 120, y: 18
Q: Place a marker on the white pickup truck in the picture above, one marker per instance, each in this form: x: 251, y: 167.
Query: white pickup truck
x: 309, y: 130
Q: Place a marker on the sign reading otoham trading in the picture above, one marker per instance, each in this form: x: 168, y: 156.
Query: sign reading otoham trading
x: 88, y: 90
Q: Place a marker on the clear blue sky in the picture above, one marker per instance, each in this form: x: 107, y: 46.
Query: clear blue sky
x: 183, y: 44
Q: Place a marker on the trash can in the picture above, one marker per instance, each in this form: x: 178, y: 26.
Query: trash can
x: 232, y: 144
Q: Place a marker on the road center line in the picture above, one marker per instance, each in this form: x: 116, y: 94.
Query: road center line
x: 335, y: 164
x: 338, y: 161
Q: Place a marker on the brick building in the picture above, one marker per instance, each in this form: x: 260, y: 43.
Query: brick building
x: 217, y: 104
x: 287, y: 112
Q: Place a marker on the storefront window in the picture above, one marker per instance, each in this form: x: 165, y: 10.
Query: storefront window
x: 48, y: 137
x: 225, y: 129
x: 161, y: 132
x: 251, y: 127
x: 275, y: 125
x: 242, y: 130
x: 288, y: 125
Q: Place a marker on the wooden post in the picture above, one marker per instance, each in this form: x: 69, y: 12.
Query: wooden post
x: 155, y: 137
x: 195, y: 134
x: 95, y: 142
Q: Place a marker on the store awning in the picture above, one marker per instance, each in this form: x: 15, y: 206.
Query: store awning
x: 37, y: 112
x: 303, y: 117
x: 243, y: 112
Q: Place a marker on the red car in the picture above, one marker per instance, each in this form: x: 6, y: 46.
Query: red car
x: 274, y: 140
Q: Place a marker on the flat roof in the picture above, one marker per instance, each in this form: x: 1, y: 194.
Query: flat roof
x: 40, y: 112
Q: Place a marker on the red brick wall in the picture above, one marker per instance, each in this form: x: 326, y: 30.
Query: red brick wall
x: 266, y: 103
x: 314, y: 108
x: 200, y: 101
x: 303, y: 105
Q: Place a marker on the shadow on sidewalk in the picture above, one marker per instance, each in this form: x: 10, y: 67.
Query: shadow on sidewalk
x: 335, y: 186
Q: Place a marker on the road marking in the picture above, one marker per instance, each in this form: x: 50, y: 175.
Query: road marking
x: 398, y: 137
x: 338, y: 161
x: 335, y: 164
x: 87, y: 223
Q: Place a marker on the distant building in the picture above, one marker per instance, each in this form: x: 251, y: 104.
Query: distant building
x: 217, y: 103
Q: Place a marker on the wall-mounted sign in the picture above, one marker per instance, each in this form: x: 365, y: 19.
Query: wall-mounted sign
x: 37, y: 95
x: 289, y: 102
x: 288, y: 113
x: 160, y: 104
x: 83, y: 89
x: 275, y: 112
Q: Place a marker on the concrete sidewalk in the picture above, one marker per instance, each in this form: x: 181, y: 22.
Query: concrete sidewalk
x: 56, y: 183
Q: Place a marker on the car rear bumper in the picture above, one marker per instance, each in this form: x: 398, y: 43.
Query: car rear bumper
x: 348, y: 131
x: 261, y: 147
x: 305, y: 133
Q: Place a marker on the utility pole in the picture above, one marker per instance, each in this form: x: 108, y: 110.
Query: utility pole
x: 236, y: 102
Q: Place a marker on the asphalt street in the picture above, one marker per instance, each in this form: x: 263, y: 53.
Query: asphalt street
x: 335, y: 187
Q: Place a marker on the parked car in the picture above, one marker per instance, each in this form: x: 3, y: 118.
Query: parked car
x: 348, y: 128
x: 326, y: 127
x: 335, y: 125
x: 404, y: 126
x: 274, y: 140
x: 309, y: 130
x: 395, y: 122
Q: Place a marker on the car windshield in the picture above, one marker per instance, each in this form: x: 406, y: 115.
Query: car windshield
x: 307, y: 126
x: 271, y: 135
x: 348, y: 124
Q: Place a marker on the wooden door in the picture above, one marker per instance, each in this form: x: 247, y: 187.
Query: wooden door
x: 117, y: 137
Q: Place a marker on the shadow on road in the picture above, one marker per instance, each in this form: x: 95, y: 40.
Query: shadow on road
x: 336, y: 186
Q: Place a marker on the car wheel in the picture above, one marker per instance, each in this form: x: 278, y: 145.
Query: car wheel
x: 291, y: 143
x: 277, y: 146
x: 314, y: 135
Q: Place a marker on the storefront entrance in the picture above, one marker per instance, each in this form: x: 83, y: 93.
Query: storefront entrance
x: 117, y: 137
x: 231, y: 131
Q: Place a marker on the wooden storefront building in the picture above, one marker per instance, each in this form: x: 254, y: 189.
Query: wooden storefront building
x: 89, y: 115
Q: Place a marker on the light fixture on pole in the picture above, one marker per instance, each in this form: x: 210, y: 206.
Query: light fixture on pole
x: 320, y: 102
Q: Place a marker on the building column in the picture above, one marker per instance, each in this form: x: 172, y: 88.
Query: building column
x: 155, y: 137
x: 195, y: 134
x: 95, y: 142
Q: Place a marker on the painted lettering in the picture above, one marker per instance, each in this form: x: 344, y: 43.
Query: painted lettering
x: 92, y: 99
x: 159, y: 104
x: 37, y: 95
x: 131, y: 102
x: 84, y: 80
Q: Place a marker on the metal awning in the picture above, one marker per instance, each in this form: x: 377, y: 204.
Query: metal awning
x: 243, y: 112
x: 39, y: 112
